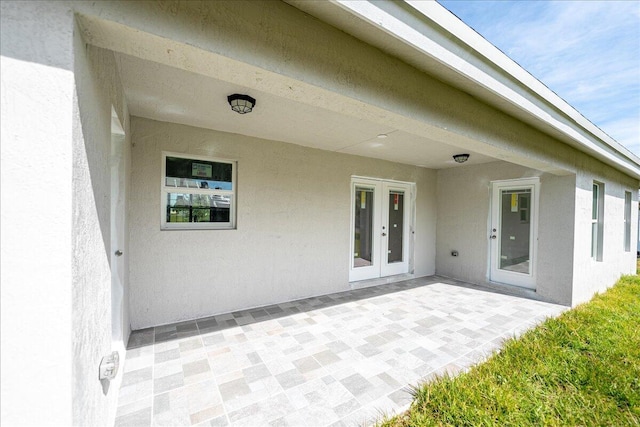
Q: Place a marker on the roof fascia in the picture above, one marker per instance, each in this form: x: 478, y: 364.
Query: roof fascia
x: 496, y: 73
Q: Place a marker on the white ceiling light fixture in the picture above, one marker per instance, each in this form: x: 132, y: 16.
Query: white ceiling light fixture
x: 241, y: 104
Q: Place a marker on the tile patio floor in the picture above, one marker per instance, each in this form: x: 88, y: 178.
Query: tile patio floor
x: 340, y: 359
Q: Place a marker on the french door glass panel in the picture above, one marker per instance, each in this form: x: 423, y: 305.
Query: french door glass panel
x: 396, y: 227
x: 363, y: 227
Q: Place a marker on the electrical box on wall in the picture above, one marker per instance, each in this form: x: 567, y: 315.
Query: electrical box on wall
x: 109, y: 366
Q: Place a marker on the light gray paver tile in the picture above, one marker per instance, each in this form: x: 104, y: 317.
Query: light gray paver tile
x: 290, y: 378
x: 401, y: 397
x: 219, y: 421
x: 165, y: 336
x: 169, y: 382
x: 347, y: 407
x: 254, y: 358
x: 311, y: 416
x: 339, y: 359
x: 167, y: 355
x: 233, y: 389
x: 356, y: 384
x: 164, y: 369
x: 206, y: 414
x: 134, y: 406
x: 326, y: 357
x: 138, y: 418
x: 135, y: 392
x: 134, y: 377
x: 139, y: 358
x: 306, y: 364
x: 255, y: 373
x: 304, y: 337
x: 171, y: 408
x: 196, y: 367
x: 214, y: 339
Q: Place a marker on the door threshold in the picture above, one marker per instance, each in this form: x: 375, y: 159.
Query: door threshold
x: 360, y: 284
x: 514, y: 290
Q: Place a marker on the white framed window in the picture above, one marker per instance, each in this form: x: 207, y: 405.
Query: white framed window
x: 597, y: 220
x: 198, y: 193
x: 627, y: 221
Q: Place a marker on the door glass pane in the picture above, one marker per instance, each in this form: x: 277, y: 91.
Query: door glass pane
x: 363, y: 227
x: 515, y: 230
x: 395, y: 226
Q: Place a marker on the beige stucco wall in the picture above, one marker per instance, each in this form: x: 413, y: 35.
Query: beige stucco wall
x: 57, y: 95
x: 98, y: 90
x: 293, y: 225
x: 37, y: 93
x: 565, y: 272
x: 464, y: 209
x: 592, y: 276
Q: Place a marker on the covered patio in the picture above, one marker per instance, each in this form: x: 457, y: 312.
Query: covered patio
x: 339, y: 359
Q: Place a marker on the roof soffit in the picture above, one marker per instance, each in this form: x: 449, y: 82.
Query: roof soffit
x: 430, y: 38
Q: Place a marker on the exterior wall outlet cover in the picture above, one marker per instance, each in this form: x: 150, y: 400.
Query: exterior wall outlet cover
x: 454, y: 253
x: 109, y: 366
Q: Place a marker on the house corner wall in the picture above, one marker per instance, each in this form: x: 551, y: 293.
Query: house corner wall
x: 37, y: 96
x: 591, y: 276
x: 556, y: 238
x: 57, y: 94
x: 98, y: 90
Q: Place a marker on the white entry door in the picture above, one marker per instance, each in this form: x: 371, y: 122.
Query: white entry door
x: 379, y: 228
x: 514, y: 232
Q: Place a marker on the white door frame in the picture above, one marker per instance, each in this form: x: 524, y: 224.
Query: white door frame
x: 380, y: 267
x: 117, y: 246
x: 526, y: 280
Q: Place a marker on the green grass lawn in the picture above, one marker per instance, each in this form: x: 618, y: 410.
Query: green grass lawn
x: 580, y: 369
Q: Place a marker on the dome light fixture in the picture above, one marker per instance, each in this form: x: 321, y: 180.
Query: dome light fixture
x: 241, y: 104
x: 461, y: 158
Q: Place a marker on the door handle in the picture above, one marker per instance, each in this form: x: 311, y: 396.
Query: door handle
x: 493, y: 237
x: 384, y: 234
x: 118, y: 252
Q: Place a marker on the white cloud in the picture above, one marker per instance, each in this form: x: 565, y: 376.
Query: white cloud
x: 588, y: 52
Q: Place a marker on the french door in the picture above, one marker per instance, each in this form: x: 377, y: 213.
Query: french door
x: 514, y: 231
x: 379, y: 228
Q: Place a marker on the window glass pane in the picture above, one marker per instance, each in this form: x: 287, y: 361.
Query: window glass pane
x: 597, y: 219
x: 627, y: 221
x: 191, y: 173
x: 594, y: 205
x: 184, y: 207
x: 594, y: 240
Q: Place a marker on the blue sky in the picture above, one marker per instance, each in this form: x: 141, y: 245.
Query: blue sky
x: 587, y: 52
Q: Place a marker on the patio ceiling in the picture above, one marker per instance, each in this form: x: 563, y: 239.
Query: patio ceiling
x: 339, y: 98
x: 161, y: 92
